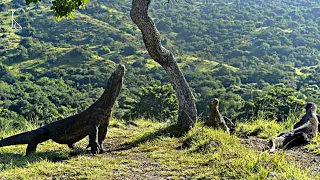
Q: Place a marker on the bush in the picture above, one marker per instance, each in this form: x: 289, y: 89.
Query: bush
x: 128, y: 50
x: 159, y: 102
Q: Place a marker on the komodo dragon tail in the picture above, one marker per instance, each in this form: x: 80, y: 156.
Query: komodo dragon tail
x: 22, y: 138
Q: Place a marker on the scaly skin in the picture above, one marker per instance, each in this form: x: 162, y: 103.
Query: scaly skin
x: 93, y: 121
x: 303, y: 132
x: 304, y: 119
x: 216, y: 119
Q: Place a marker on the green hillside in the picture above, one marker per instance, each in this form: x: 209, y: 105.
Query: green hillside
x: 258, y: 57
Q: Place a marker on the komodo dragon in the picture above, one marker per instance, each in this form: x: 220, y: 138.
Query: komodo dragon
x: 93, y: 121
x: 301, y: 134
x: 306, y: 117
x: 216, y: 120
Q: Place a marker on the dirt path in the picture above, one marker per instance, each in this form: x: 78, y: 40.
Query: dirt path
x: 137, y: 165
x: 299, y: 155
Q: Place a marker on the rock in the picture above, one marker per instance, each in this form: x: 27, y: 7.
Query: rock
x: 128, y: 123
x: 205, y: 147
x: 255, y: 132
x: 272, y: 174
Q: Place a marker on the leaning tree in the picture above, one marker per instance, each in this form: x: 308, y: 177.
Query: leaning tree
x: 151, y: 37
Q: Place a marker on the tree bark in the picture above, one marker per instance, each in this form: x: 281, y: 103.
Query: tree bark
x: 151, y: 38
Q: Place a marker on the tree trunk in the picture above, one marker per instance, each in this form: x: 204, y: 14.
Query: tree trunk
x: 151, y: 38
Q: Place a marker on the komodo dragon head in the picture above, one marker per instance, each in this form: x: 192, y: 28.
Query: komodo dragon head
x: 113, y: 87
x: 115, y: 81
x: 214, y: 103
x: 310, y: 106
x: 117, y: 76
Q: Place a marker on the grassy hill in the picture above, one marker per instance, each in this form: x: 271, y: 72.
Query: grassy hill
x: 154, y: 151
x: 259, y: 58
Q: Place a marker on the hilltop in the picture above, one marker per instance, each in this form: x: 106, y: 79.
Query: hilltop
x: 154, y: 151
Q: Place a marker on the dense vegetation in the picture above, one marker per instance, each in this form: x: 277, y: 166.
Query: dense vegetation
x: 257, y: 57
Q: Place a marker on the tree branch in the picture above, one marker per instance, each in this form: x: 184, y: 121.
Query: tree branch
x: 150, y: 34
x: 151, y: 38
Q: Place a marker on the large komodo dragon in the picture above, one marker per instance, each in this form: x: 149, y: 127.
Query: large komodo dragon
x: 93, y: 122
x: 305, y: 130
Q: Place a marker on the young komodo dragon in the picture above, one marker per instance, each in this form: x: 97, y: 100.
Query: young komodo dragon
x: 216, y: 120
x: 93, y: 121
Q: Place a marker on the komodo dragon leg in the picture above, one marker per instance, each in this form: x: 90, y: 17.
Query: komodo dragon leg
x: 32, y: 147
x: 101, y: 136
x: 40, y: 136
x: 93, y: 136
x: 299, y: 138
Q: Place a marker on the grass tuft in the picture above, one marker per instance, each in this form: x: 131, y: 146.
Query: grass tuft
x: 261, y: 128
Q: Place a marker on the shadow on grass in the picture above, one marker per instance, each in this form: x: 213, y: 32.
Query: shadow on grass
x: 170, y: 131
x: 11, y: 160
